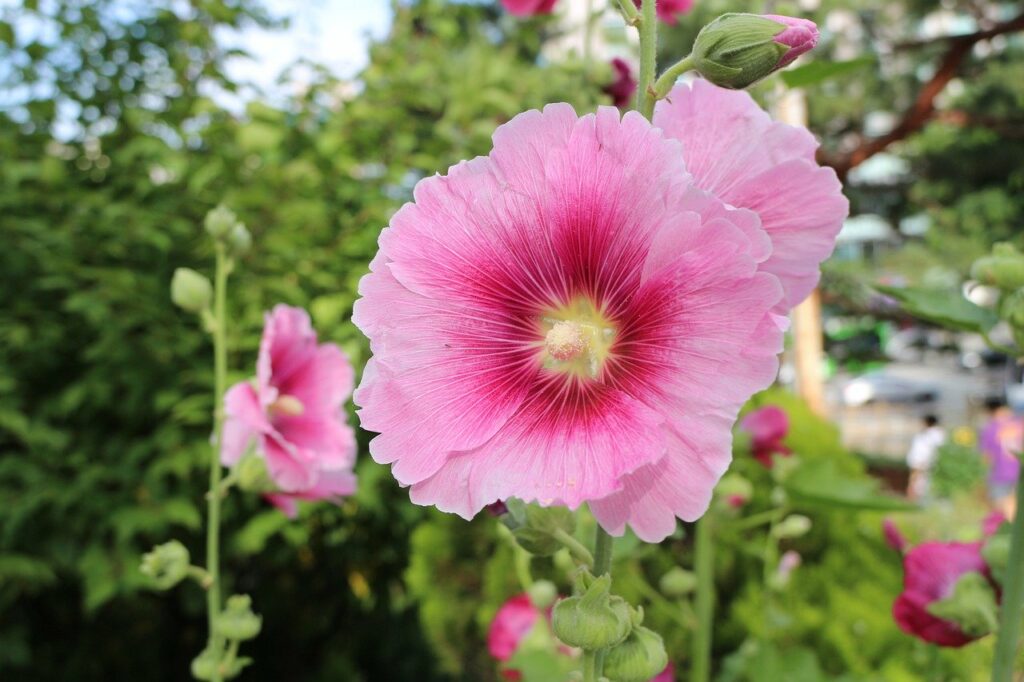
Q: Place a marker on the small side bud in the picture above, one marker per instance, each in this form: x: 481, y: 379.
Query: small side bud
x: 253, y: 476
x: 593, y: 620
x: 237, y: 621
x: 190, y: 291
x: 678, y: 582
x: 543, y: 594
x: 639, y: 658
x: 793, y: 526
x: 167, y: 564
x: 736, y: 50
x: 220, y: 221
x: 1003, y: 269
x: 239, y: 240
x: 536, y: 529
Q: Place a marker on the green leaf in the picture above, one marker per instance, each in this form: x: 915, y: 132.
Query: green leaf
x: 821, y: 483
x: 819, y: 71
x: 951, y: 311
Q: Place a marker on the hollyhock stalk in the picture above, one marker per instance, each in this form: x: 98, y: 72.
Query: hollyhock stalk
x: 1013, y: 596
x: 704, y: 565
x: 220, y: 370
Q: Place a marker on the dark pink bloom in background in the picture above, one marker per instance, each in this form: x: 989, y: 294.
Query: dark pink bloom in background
x: 930, y: 571
x: 511, y: 624
x: 990, y: 524
x: 893, y: 537
x: 666, y: 675
x: 623, y: 87
x: 567, y: 320
x: 800, y: 36
x: 767, y: 427
x: 528, y: 8
x: 293, y: 413
x: 670, y: 10
x: 735, y: 151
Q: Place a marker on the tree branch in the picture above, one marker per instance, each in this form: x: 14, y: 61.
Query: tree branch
x: 923, y: 108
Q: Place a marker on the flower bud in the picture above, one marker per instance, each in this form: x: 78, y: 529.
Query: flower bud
x: 210, y: 660
x: 536, y: 529
x: 190, y: 291
x: 543, y: 594
x: 971, y: 606
x: 793, y: 526
x: 639, y: 658
x: 1013, y: 309
x: 996, y: 552
x: 734, y: 490
x: 253, y: 476
x: 736, y: 50
x: 1003, y: 269
x: 239, y: 239
x: 237, y: 621
x: 220, y: 221
x: 678, y: 582
x: 166, y: 564
x: 594, y: 620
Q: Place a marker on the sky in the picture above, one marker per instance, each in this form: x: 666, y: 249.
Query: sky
x: 330, y: 32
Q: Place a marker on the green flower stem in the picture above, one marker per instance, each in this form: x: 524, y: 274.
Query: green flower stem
x: 755, y: 520
x: 648, y: 57
x: 664, y: 84
x: 590, y: 673
x: 1013, y: 596
x: 575, y: 547
x: 629, y: 12
x: 602, y: 551
x: 200, y: 575
x: 220, y: 365
x: 705, y: 567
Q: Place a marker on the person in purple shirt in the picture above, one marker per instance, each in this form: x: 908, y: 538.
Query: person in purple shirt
x: 1001, y: 441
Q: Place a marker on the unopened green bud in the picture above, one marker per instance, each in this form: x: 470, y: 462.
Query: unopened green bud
x: 211, y: 660
x: 543, y: 594
x: 237, y: 621
x: 220, y: 221
x: 793, y: 526
x: 734, y: 490
x: 252, y: 474
x: 594, y: 620
x: 678, y: 582
x: 190, y: 291
x: 972, y: 605
x: 996, y: 552
x: 639, y: 658
x: 167, y: 564
x: 736, y: 50
x: 239, y: 240
x: 1012, y: 309
x: 1003, y: 269
x: 537, y: 529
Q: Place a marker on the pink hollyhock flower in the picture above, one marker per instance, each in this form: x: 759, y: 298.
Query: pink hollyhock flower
x: 990, y: 524
x: 893, y: 537
x: 767, y: 427
x: 930, y: 571
x: 528, y: 8
x: 293, y: 413
x: 735, y: 151
x: 669, y: 11
x: 513, y: 621
x: 800, y: 36
x: 566, y: 320
x: 622, y: 89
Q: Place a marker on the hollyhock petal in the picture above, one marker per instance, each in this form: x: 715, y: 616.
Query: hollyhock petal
x: 511, y: 624
x: 735, y: 151
x: 931, y: 571
x: 528, y: 8
x: 327, y: 435
x: 550, y: 456
x: 288, y: 345
x: 331, y: 486
x: 290, y: 467
x: 768, y: 424
x: 323, y: 382
x: 244, y: 420
x: 800, y: 35
x: 623, y: 86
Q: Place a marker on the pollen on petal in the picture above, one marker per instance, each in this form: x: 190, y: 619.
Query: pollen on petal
x: 565, y: 341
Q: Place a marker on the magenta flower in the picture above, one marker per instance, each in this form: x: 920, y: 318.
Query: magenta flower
x: 513, y: 621
x: 666, y: 675
x: 767, y: 427
x: 566, y: 320
x: 528, y: 8
x: 991, y: 523
x: 735, y: 151
x: 622, y: 89
x: 800, y: 36
x: 293, y: 413
x: 930, y: 571
x: 669, y: 11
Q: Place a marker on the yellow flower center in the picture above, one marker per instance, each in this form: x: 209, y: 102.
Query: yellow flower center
x: 287, y: 406
x: 577, y: 338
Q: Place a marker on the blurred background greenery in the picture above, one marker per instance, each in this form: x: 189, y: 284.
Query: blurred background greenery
x: 120, y: 127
